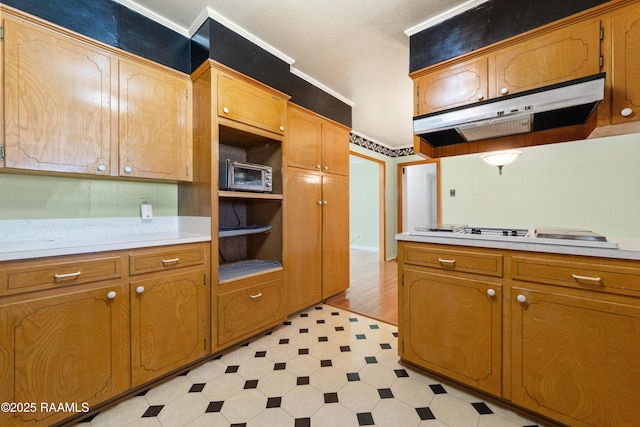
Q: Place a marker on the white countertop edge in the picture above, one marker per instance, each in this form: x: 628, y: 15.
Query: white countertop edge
x: 69, y: 237
x: 84, y: 246
x: 479, y: 242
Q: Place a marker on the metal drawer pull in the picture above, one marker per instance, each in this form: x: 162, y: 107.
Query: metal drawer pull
x: 590, y: 279
x: 169, y: 261
x: 258, y: 295
x: 446, y: 261
x: 65, y: 276
x: 491, y: 292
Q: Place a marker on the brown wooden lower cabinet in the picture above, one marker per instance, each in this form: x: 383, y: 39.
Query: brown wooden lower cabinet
x: 452, y: 325
x: 71, y: 347
x: 558, y: 335
x: 248, y: 305
x: 169, y: 324
x: 80, y: 330
x: 575, y: 355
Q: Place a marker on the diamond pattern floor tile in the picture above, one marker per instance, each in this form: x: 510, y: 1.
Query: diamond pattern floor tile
x: 323, y: 367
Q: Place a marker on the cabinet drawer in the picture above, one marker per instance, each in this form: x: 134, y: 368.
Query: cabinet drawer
x: 484, y: 263
x: 27, y: 276
x: 170, y: 258
x: 613, y: 277
x: 246, y: 311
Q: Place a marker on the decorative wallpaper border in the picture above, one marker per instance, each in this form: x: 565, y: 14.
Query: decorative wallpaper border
x: 381, y: 149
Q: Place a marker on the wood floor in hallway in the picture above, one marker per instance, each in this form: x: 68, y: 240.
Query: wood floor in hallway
x: 373, y: 288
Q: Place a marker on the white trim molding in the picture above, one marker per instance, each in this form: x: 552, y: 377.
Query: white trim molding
x: 470, y: 4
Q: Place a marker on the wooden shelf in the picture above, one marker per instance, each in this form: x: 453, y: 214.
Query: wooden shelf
x: 234, y: 271
x: 242, y: 231
x: 248, y: 195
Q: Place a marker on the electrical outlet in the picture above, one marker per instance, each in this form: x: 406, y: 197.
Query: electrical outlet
x: 146, y: 209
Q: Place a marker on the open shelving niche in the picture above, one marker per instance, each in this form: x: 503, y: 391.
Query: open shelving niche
x: 250, y: 224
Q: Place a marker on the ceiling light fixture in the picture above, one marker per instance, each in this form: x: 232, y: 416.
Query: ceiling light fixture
x: 500, y: 158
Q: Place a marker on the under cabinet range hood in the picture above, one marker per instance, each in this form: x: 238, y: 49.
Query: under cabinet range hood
x: 562, y: 104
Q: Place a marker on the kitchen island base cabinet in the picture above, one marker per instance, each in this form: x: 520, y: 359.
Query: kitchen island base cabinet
x: 575, y: 357
x: 71, y: 348
x: 452, y: 325
x: 565, y: 329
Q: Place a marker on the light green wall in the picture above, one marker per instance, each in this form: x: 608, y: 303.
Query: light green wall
x: 592, y: 184
x: 39, y: 197
x: 363, y: 206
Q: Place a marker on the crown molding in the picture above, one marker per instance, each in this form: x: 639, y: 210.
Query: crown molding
x: 443, y: 16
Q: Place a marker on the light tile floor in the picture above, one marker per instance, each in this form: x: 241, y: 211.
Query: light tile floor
x: 324, y: 367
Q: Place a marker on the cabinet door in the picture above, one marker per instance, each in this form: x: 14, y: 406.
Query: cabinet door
x: 303, y: 238
x: 304, y: 140
x: 552, y: 58
x: 169, y: 324
x: 335, y: 149
x: 248, y: 104
x: 626, y: 68
x: 575, y: 358
x: 70, y: 348
x: 452, y: 326
x: 155, y: 123
x: 58, y: 102
x: 335, y: 235
x: 459, y: 85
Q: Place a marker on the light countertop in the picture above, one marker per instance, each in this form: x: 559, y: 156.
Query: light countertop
x: 25, y: 239
x: 628, y: 248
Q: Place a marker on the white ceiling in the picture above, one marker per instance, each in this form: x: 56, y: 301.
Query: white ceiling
x: 357, y: 50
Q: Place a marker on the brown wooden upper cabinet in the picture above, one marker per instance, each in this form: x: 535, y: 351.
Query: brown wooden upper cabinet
x: 58, y: 112
x: 74, y: 105
x: 245, y: 103
x: 564, y: 54
x: 625, y: 100
x: 316, y: 143
x: 567, y: 53
x: 460, y: 84
x: 154, y: 123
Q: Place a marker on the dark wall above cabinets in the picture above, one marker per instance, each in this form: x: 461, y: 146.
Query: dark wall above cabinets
x: 113, y: 24
x: 214, y: 40
x: 488, y: 23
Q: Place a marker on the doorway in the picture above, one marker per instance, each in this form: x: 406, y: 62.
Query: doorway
x: 367, y: 219
x: 418, y: 194
x: 373, y: 280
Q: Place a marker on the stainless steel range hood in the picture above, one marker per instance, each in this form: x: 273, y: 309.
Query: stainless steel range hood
x: 563, y: 104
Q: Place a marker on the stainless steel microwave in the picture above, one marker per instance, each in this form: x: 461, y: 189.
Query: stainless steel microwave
x: 243, y: 176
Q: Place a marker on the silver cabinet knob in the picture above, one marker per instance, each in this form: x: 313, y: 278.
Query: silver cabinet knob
x: 128, y: 169
x: 626, y: 112
x: 504, y: 91
x: 319, y: 202
x: 326, y: 168
x: 102, y: 168
x: 521, y: 298
x: 140, y: 289
x: 318, y: 166
x: 480, y: 97
x: 282, y: 128
x: 225, y: 110
x: 111, y: 295
x: 491, y: 292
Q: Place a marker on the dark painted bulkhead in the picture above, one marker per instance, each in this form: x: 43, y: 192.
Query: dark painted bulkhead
x: 488, y: 23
